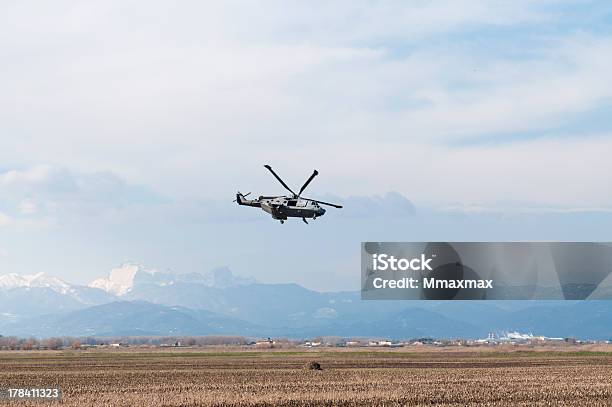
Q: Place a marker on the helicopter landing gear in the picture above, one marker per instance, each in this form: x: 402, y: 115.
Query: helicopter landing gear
x: 282, y: 221
x: 304, y: 219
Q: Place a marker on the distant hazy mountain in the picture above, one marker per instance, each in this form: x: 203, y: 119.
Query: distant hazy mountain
x: 135, y: 300
x: 131, y: 319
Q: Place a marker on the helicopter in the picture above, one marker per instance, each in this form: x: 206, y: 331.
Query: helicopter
x: 291, y: 206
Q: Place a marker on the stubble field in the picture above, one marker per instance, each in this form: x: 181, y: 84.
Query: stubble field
x: 349, y: 378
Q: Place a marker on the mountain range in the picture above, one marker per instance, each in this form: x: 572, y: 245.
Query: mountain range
x: 135, y: 300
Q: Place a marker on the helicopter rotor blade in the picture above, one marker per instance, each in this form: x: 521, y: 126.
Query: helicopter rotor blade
x: 326, y: 203
x: 314, y: 174
x: 279, y: 179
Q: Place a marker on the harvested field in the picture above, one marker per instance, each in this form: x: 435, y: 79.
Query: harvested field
x: 348, y: 378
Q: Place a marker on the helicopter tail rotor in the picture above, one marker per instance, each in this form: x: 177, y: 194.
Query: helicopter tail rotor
x: 240, y: 195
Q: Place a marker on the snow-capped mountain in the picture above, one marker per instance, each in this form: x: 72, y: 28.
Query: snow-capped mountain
x: 124, y: 279
x: 37, y: 294
x: 120, y: 280
x: 40, y: 294
x: 40, y: 280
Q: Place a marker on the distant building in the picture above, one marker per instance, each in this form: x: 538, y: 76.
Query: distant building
x: 514, y: 337
x: 269, y: 343
x: 379, y: 343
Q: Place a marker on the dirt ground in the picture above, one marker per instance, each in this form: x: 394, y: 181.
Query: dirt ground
x: 572, y: 376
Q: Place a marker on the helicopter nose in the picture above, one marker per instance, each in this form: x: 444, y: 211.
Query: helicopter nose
x: 321, y: 212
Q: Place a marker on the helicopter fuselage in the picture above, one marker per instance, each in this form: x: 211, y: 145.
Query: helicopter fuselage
x: 283, y: 207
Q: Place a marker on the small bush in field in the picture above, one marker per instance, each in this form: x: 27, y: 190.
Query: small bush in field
x: 313, y: 366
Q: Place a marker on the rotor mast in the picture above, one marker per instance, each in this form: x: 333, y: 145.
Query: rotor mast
x: 299, y: 195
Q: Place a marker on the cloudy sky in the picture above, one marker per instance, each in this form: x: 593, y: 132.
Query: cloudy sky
x: 127, y: 126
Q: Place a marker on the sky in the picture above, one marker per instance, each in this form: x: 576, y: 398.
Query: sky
x: 126, y: 128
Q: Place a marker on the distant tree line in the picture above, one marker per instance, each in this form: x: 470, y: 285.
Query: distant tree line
x: 15, y: 343
x: 65, y: 342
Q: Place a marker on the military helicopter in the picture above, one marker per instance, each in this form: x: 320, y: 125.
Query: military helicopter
x: 283, y: 207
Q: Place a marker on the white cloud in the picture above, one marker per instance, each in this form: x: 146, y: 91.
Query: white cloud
x: 558, y: 173
x: 34, y: 175
x: 192, y: 99
x: 517, y: 96
x: 42, y: 195
x: 28, y: 207
x: 4, y: 219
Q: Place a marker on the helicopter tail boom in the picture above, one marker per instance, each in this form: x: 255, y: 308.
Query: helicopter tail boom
x: 241, y: 200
